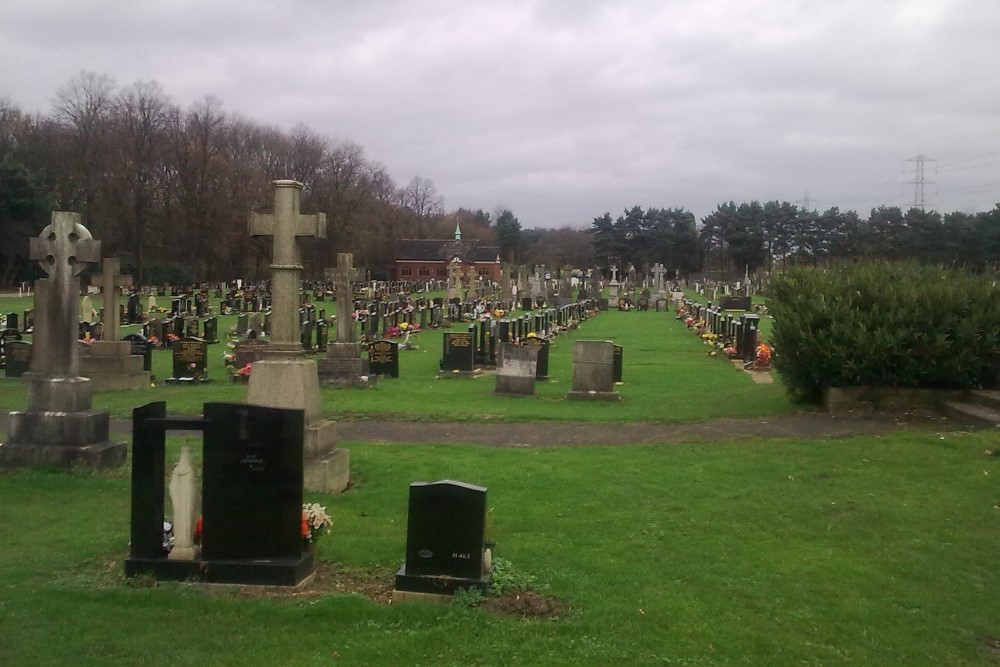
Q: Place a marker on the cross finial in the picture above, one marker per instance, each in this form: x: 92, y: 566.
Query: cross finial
x: 64, y: 245
x: 285, y: 225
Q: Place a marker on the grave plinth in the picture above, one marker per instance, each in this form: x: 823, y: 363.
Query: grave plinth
x: 111, y: 365
x: 59, y: 427
x: 345, y: 365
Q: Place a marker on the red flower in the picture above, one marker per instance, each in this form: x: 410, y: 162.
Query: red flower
x: 197, y: 529
x: 306, y: 534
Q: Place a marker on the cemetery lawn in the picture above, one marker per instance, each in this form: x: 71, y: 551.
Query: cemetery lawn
x: 668, y: 377
x: 867, y: 551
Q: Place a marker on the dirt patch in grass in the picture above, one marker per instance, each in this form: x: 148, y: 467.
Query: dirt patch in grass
x: 377, y: 586
x: 527, y: 604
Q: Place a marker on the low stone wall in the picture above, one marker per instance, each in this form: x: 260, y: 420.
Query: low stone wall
x: 887, y: 399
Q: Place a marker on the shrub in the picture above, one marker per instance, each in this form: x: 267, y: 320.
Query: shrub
x: 883, y: 324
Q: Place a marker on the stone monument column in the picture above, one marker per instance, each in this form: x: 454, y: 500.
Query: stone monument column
x: 284, y: 377
x: 59, y: 427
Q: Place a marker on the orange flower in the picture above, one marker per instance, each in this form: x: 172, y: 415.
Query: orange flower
x: 306, y: 534
x: 197, y: 528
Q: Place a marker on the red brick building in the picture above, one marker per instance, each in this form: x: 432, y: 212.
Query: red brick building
x: 428, y: 259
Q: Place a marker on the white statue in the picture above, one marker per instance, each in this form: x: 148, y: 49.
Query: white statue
x: 184, y: 498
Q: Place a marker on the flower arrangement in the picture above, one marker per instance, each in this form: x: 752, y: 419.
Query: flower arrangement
x: 315, y: 522
x: 764, y: 353
x: 245, y: 371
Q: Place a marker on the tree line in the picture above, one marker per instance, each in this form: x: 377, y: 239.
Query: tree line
x: 167, y: 189
x: 754, y: 237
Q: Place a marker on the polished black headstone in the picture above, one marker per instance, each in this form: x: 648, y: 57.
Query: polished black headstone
x: 383, y: 358
x: 618, y: 360
x: 17, y: 358
x: 141, y: 347
x: 459, y: 351
x: 190, y: 358
x: 445, y: 538
x: 252, y: 497
x: 542, y: 345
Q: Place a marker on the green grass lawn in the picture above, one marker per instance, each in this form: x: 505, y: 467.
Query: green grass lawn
x: 866, y: 551
x: 869, y: 551
x: 667, y: 378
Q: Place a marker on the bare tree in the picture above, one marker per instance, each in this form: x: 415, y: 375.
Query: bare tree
x: 82, y: 110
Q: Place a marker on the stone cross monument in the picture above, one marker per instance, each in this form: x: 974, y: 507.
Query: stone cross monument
x: 343, y: 277
x: 283, y: 377
x: 346, y: 364
x: 59, y: 427
x: 454, y: 278
x: 109, y: 362
x: 110, y: 282
x: 658, y: 272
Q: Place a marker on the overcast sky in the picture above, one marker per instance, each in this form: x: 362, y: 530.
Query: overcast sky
x: 562, y: 110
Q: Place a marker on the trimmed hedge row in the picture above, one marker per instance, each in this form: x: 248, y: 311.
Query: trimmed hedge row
x: 884, y: 324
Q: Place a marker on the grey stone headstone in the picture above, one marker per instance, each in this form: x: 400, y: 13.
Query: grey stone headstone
x: 516, y: 369
x: 593, y: 371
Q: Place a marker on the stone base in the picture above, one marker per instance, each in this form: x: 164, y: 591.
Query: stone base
x: 438, y: 584
x: 345, y: 365
x: 400, y: 597
x: 60, y: 439
x: 111, y: 365
x: 462, y: 375
x: 330, y: 473
x: 289, y: 383
x: 512, y: 385
x: 593, y: 396
x: 270, y: 572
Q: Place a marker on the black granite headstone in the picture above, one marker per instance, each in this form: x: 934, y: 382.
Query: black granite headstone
x: 190, y: 358
x: 445, y: 538
x: 211, y: 330
x: 252, y: 489
x: 383, y: 358
x: 458, y: 351
x: 251, y: 496
x: 733, y: 302
x: 141, y: 347
x: 618, y: 359
x: 542, y: 345
x: 17, y: 358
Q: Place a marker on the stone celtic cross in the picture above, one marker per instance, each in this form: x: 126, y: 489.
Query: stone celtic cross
x: 285, y: 226
x: 63, y: 249
x: 658, y: 273
x: 343, y: 276
x: 110, y: 281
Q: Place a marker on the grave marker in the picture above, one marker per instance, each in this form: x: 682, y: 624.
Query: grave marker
x: 445, y: 539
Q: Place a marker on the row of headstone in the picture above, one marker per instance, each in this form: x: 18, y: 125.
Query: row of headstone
x: 182, y: 327
x: 739, y: 330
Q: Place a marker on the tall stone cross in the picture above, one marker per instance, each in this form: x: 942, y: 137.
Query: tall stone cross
x: 285, y: 226
x: 614, y: 273
x: 63, y: 250
x: 454, y: 278
x: 344, y: 275
x: 658, y: 272
x: 109, y: 282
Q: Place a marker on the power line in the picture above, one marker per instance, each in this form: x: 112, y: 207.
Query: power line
x: 969, y: 159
